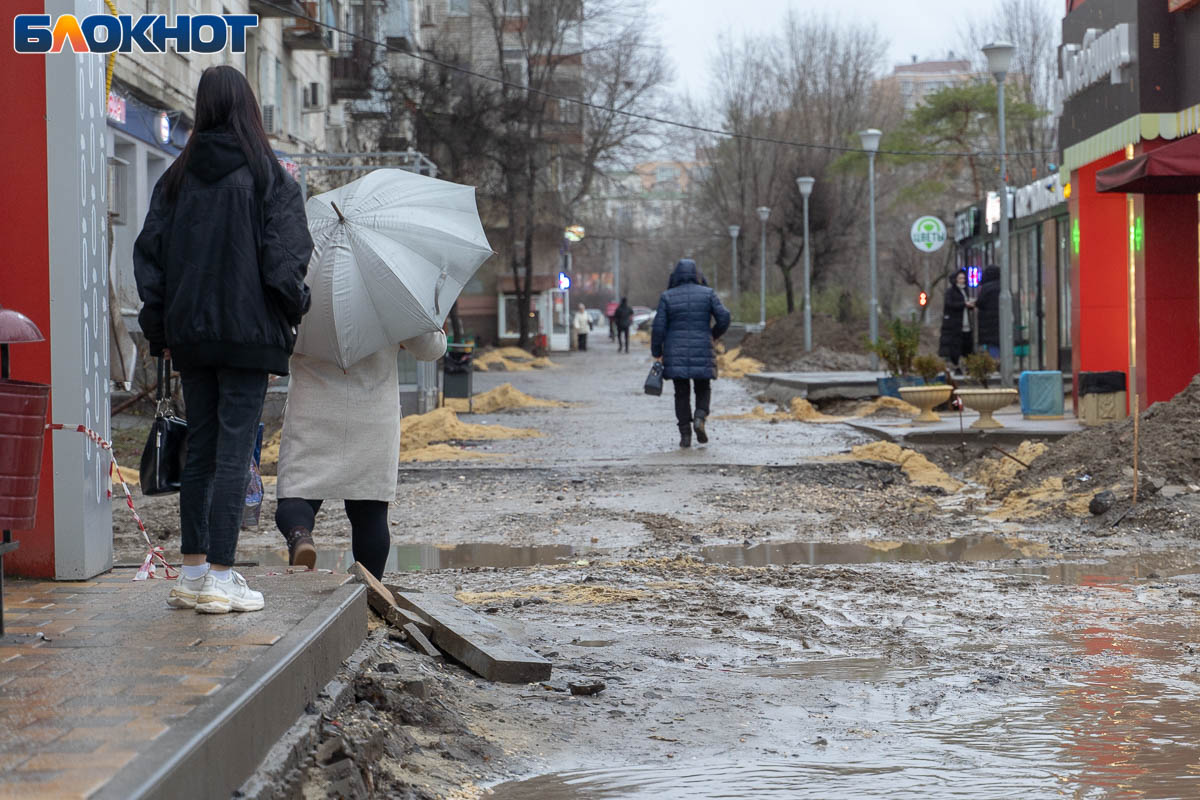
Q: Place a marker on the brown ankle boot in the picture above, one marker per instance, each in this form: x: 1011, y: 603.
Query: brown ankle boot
x: 301, y: 551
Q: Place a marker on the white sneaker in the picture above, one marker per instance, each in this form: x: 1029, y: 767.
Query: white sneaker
x: 185, y: 591
x: 221, y: 597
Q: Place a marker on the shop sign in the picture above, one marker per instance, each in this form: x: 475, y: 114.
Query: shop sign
x: 564, y: 281
x: 928, y: 234
x: 116, y: 108
x: 966, y: 224
x: 164, y: 127
x: 1100, y: 54
x: 991, y: 214
x: 1040, y: 196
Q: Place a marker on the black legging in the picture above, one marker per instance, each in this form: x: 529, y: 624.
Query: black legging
x: 683, y: 399
x: 369, y: 537
x: 622, y: 338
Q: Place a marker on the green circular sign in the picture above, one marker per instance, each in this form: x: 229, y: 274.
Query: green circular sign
x: 928, y: 234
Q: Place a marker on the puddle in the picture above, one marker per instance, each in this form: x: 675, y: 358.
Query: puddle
x: 966, y: 548
x: 838, y: 669
x: 420, y: 557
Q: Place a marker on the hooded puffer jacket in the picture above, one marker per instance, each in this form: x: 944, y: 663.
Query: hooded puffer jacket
x: 221, y: 270
x: 989, y: 307
x: 690, y: 318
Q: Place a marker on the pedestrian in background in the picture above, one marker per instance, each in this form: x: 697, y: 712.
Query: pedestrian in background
x: 220, y: 265
x: 623, y: 318
x: 581, y: 325
x: 958, y: 337
x: 610, y: 311
x: 690, y: 319
x: 989, y: 311
x: 341, y: 441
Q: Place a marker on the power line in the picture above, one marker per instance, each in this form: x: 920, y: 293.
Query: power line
x: 645, y: 117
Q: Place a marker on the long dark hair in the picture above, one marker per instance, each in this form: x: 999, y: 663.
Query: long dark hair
x: 224, y: 99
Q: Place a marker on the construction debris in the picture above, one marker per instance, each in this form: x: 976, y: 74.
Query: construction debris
x: 919, y: 469
x: 443, y: 425
x: 502, y: 398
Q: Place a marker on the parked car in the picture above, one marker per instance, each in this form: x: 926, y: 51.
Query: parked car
x: 643, y: 317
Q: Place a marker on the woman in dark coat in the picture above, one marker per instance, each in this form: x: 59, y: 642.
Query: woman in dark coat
x: 989, y: 311
x: 690, y: 319
x: 958, y: 338
x: 220, y: 267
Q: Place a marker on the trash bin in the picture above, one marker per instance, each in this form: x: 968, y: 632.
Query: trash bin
x: 457, y: 372
x: 1041, y: 394
x: 22, y: 431
x: 1102, y: 397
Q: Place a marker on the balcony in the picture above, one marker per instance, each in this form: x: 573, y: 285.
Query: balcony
x: 350, y: 71
x: 278, y: 8
x: 305, y: 34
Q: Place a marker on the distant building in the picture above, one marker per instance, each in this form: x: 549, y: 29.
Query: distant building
x: 917, y: 80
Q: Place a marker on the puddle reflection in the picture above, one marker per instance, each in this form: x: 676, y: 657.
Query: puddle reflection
x: 965, y: 548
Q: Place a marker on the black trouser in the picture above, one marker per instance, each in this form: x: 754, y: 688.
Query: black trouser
x: 683, y: 399
x: 369, y: 537
x: 583, y: 341
x: 612, y: 329
x: 223, y: 409
x: 966, y: 345
x: 622, y: 338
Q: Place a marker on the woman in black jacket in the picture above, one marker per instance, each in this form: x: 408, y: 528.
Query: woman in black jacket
x: 989, y: 311
x: 958, y: 338
x: 220, y: 267
x: 690, y: 319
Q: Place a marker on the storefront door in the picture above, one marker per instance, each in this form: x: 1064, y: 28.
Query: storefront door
x: 559, y: 335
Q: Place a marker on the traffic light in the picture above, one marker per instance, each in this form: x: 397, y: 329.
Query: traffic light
x: 923, y: 299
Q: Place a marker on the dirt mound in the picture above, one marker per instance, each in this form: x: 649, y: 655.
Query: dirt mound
x: 803, y: 411
x: 836, y: 346
x: 443, y: 452
x: 443, y: 425
x: 1099, y: 458
x: 919, y: 469
x: 733, y: 364
x: 510, y: 359
x: 999, y: 473
x: 502, y: 398
x: 268, y: 460
x: 886, y: 407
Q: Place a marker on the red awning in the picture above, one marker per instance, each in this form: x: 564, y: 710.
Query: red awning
x: 1171, y: 169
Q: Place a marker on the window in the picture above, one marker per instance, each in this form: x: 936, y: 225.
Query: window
x: 569, y: 113
x: 118, y: 188
x: 459, y: 8
x: 666, y: 173
x: 513, y: 69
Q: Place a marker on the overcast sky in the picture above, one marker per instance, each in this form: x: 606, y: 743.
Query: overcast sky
x: 925, y: 28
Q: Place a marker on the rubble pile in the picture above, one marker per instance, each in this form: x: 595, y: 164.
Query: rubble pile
x: 502, y: 398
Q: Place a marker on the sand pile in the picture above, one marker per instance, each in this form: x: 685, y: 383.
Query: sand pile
x: 1048, y: 498
x: 803, y: 411
x: 443, y: 452
x: 1169, y: 450
x: 733, y: 364
x: 919, y: 469
x: 443, y: 425
x: 502, y: 398
x: 268, y: 462
x: 510, y: 359
x: 999, y: 473
x: 886, y: 407
x: 640, y: 336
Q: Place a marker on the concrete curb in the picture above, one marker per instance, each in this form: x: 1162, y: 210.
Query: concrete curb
x: 214, y: 749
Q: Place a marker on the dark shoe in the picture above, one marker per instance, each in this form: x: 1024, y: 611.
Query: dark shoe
x: 301, y: 550
x: 701, y: 436
x: 685, y: 436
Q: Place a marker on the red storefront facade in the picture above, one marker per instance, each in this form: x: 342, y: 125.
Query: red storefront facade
x: 1131, y: 84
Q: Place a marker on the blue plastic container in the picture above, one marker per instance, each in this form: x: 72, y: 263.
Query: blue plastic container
x: 1041, y: 393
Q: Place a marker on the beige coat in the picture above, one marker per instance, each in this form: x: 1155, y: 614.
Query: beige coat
x: 341, y: 429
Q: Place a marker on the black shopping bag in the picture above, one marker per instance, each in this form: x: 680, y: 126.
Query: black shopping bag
x: 654, y: 380
x: 166, y: 447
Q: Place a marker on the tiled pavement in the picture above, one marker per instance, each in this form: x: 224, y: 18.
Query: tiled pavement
x: 93, y: 672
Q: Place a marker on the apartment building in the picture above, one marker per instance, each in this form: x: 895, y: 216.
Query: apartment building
x: 917, y: 80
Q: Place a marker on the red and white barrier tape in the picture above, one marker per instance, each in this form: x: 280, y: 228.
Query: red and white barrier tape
x: 154, y: 552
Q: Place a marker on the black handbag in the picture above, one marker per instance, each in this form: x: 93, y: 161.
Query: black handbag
x: 654, y: 381
x: 166, y: 447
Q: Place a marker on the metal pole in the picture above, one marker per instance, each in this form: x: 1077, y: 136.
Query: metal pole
x: 807, y: 282
x: 737, y: 292
x: 1006, y: 317
x: 762, y: 279
x: 617, y: 271
x: 874, y: 279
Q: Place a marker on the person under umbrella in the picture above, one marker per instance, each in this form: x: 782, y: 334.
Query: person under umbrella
x: 690, y: 319
x: 393, y: 251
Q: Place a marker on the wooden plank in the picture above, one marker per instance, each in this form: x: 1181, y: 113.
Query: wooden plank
x: 378, y: 596
x: 474, y: 642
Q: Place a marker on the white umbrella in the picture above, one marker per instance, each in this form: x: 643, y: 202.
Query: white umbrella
x: 392, y: 251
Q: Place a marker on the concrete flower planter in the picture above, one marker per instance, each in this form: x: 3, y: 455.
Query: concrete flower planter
x: 926, y: 398
x: 986, y: 401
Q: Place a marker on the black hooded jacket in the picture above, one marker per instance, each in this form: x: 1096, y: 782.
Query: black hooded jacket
x: 221, y: 270
x: 690, y: 318
x: 989, y: 307
x: 623, y: 315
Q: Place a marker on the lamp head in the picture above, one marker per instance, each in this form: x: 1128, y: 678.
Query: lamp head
x: 806, y: 185
x: 870, y: 139
x: 999, y: 56
x: 764, y: 213
x: 733, y: 231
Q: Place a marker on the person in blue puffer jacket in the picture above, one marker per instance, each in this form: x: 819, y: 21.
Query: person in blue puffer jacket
x: 690, y: 319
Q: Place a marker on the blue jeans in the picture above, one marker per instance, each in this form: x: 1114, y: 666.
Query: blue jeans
x: 223, y: 409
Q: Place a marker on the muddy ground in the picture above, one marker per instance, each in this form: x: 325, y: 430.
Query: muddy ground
x: 766, y: 622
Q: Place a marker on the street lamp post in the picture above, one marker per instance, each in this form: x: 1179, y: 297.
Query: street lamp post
x: 734, y: 230
x: 999, y: 56
x: 763, y: 214
x: 870, y: 142
x: 806, y: 187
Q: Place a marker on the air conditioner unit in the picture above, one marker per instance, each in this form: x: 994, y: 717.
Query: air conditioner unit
x: 314, y: 96
x: 270, y: 122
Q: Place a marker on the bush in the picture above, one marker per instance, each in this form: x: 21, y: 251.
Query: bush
x: 980, y: 366
x: 898, y: 346
x: 928, y: 367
